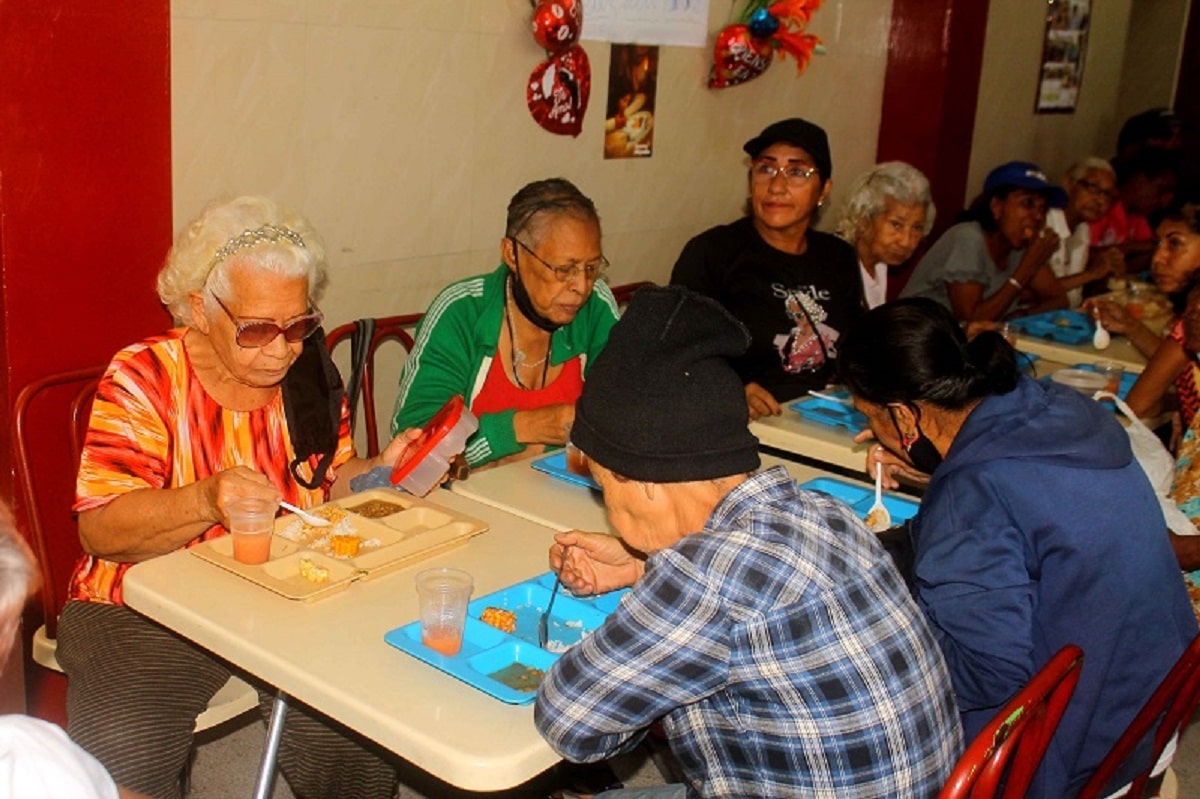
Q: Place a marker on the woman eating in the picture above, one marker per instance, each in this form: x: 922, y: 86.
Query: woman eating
x: 998, y: 260
x: 183, y: 424
x: 517, y: 343
x: 1038, y: 529
x: 795, y: 288
x: 889, y: 211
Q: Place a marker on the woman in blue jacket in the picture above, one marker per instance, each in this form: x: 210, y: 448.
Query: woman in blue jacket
x: 1038, y: 529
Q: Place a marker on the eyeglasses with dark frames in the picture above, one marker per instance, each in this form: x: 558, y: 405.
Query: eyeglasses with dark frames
x: 254, y: 333
x: 1095, y: 188
x: 794, y: 174
x: 591, y: 271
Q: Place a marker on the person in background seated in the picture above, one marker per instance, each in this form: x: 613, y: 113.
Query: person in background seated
x: 765, y: 626
x: 1038, y: 529
x: 889, y: 210
x: 795, y: 288
x: 997, y: 262
x: 1174, y: 267
x: 240, y: 400
x: 1091, y: 190
x: 1154, y: 128
x: 37, y: 759
x: 1185, y: 489
x: 517, y: 343
x: 1146, y: 184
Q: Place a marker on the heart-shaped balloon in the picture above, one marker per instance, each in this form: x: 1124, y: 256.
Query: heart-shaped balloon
x: 558, y: 90
x: 556, y: 24
x: 738, y: 56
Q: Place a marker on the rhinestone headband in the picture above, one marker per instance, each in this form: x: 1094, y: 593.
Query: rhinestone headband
x: 249, y: 238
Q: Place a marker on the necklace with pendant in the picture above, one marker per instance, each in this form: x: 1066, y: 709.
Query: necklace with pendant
x: 519, y: 359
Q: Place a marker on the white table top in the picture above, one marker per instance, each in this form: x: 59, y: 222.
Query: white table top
x: 522, y: 490
x: 330, y: 653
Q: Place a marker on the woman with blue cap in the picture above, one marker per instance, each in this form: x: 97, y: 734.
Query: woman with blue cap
x: 997, y: 259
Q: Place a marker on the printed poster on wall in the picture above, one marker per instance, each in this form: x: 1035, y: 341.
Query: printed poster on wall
x: 681, y: 22
x: 1063, y: 54
x: 629, y: 113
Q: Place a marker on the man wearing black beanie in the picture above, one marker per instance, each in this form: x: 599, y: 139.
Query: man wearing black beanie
x: 765, y: 627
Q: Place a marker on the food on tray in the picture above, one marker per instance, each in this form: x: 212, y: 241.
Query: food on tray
x: 376, y: 508
x: 876, y: 518
x: 344, y: 546
x: 519, y: 677
x: 1063, y: 321
x: 312, y: 572
x: 499, y: 618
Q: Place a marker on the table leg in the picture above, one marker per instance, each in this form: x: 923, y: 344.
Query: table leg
x: 266, y: 771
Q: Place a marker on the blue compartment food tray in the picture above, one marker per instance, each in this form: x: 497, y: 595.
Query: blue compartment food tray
x: 556, y: 466
x: 1069, y: 327
x: 861, y: 498
x: 835, y: 414
x: 486, y: 649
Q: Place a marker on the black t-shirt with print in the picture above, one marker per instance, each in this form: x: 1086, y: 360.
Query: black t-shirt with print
x: 780, y: 298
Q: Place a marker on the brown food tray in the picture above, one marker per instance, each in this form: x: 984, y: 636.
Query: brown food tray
x: 416, y: 529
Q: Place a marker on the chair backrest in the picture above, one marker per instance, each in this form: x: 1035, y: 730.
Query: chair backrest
x: 623, y: 292
x: 1016, y: 739
x: 386, y: 328
x: 46, y: 477
x: 1171, y: 707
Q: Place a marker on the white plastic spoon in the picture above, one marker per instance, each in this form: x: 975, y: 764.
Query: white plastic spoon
x: 305, y: 516
x: 878, y: 519
x: 1101, y: 338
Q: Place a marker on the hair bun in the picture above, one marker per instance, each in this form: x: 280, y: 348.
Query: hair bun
x: 993, y: 363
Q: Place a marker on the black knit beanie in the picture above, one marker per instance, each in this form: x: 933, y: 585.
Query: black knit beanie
x: 661, y: 402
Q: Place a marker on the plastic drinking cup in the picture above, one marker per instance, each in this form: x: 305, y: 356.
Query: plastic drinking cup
x: 442, y: 595
x: 251, y: 521
x: 1112, y: 373
x: 577, y: 462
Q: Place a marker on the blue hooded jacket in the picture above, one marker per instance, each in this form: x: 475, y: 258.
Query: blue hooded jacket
x: 1039, y: 530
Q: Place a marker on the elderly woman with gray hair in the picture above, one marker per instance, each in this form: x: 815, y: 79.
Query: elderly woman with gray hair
x: 889, y: 210
x: 239, y: 400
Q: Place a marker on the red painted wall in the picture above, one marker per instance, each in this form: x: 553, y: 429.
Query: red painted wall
x: 85, y: 210
x: 930, y: 92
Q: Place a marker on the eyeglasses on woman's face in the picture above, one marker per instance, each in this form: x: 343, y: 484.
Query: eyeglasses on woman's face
x: 254, y: 333
x: 794, y: 174
x: 591, y: 271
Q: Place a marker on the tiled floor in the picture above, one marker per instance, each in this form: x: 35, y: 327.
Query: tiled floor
x: 226, y: 768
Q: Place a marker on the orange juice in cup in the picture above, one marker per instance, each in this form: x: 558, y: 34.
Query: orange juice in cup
x: 1112, y: 373
x: 442, y: 595
x: 251, y: 521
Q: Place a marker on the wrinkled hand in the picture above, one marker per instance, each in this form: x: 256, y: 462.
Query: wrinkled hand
x: 1114, y: 316
x: 893, y: 465
x: 398, y: 449
x: 594, y: 563
x: 232, y: 484
x: 760, y: 402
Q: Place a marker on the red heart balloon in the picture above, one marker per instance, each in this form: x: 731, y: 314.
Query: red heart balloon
x: 738, y: 56
x: 558, y: 90
x: 556, y: 24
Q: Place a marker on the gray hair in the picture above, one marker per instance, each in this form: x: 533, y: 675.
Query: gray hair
x: 1081, y: 168
x: 529, y: 207
x: 903, y: 182
x: 18, y: 573
x: 250, y: 231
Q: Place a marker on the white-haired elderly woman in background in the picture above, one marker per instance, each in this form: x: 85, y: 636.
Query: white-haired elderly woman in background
x: 238, y: 401
x: 1091, y: 186
x: 888, y: 211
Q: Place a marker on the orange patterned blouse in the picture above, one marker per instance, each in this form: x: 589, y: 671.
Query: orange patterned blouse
x: 154, y: 426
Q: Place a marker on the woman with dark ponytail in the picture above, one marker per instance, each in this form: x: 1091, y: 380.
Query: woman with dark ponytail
x: 1038, y: 529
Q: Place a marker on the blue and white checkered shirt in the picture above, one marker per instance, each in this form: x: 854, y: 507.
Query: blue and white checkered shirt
x: 782, y: 651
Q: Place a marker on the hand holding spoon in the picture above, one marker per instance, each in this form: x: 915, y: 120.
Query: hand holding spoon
x: 1101, y: 338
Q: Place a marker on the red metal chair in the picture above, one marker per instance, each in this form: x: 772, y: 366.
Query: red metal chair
x: 1016, y: 739
x: 1171, y: 707
x: 385, y: 328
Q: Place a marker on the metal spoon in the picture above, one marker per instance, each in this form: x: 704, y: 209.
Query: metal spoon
x: 544, y: 621
x: 878, y: 519
x: 305, y: 516
x: 1100, y: 339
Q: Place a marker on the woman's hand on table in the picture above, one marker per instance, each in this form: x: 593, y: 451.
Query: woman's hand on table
x: 893, y: 466
x: 760, y: 402
x: 233, y: 484
x: 594, y: 563
x: 1114, y: 316
x: 548, y: 425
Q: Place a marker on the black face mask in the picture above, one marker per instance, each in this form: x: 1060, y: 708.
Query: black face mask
x: 921, y: 451
x: 525, y: 304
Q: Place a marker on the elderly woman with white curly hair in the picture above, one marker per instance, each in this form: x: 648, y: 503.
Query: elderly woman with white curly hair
x: 889, y: 210
x: 239, y: 400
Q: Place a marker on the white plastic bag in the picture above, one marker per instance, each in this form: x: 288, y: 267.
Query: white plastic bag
x: 1156, y: 462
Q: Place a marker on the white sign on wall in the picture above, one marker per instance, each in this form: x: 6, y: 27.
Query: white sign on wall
x: 681, y: 22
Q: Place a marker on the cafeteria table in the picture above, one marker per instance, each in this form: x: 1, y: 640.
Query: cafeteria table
x: 330, y: 654
x: 1119, y: 351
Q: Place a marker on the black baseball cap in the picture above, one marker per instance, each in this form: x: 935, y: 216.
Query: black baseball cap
x: 798, y: 133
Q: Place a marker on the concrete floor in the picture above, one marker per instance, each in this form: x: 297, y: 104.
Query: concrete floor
x: 226, y: 767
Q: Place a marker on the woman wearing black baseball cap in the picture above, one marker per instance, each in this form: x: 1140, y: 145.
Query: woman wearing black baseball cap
x: 999, y: 258
x: 795, y: 288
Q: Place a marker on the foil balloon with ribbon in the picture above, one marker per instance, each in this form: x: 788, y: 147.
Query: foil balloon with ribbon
x: 558, y: 90
x: 738, y: 56
x: 556, y: 24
